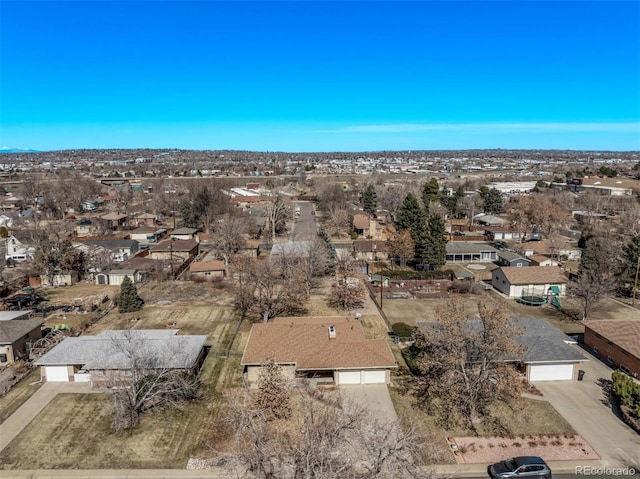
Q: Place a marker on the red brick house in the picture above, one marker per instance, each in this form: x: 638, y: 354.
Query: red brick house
x: 615, y: 341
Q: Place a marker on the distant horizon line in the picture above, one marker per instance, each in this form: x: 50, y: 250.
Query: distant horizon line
x: 9, y: 150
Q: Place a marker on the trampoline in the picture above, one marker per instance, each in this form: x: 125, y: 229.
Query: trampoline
x: 532, y: 300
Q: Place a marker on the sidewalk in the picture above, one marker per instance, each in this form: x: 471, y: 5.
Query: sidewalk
x: 460, y: 470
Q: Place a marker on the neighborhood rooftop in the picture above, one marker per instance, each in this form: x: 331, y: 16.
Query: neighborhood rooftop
x: 534, y: 275
x: 625, y: 334
x: 307, y: 344
x: 13, y: 330
x: 108, y: 350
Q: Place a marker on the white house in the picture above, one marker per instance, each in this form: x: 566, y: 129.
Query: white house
x: 530, y: 281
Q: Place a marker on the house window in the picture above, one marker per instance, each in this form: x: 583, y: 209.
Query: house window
x: 207, y: 273
x: 609, y: 359
x: 3, y: 358
x: 624, y: 369
x: 519, y: 265
x: 595, y: 349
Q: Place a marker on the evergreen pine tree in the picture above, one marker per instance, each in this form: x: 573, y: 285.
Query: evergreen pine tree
x: 412, y: 217
x: 430, y: 192
x: 435, y: 249
x: 128, y: 300
x: 369, y: 200
x: 492, y: 200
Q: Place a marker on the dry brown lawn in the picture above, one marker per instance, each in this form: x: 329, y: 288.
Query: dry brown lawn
x: 530, y: 417
x: 18, y: 394
x: 74, y: 431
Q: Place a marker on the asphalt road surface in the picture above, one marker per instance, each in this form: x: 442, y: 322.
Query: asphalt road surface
x: 304, y: 227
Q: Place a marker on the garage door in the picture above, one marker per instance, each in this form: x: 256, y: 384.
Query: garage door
x: 551, y: 372
x: 56, y: 373
x: 375, y: 377
x: 349, y: 377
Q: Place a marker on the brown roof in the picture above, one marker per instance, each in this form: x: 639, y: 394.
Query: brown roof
x: 534, y: 275
x: 213, y: 265
x: 538, y: 258
x: 306, y: 343
x: 368, y: 246
x: 361, y: 221
x: 624, y: 334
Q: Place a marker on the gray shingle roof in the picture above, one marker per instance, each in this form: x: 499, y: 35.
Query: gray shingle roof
x: 13, y: 330
x: 109, y: 350
x: 542, y: 342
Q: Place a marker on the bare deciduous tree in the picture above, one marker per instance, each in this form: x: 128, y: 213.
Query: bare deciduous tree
x: 230, y: 234
x: 467, y: 365
x: 325, y: 438
x: 144, y: 379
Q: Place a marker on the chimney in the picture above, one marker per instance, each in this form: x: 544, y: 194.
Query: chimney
x: 332, y: 332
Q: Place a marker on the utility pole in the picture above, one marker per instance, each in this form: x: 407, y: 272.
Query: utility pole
x: 635, y: 283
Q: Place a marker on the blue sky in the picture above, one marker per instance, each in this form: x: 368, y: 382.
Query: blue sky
x: 320, y: 76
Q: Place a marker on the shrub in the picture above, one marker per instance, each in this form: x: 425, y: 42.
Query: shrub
x: 402, y: 329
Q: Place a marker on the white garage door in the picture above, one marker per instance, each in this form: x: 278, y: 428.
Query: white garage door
x: 551, y: 372
x: 349, y: 377
x: 374, y: 377
x: 56, y: 373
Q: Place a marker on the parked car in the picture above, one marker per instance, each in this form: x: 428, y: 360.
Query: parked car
x: 522, y: 466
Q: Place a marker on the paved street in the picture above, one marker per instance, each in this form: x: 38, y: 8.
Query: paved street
x: 304, y: 227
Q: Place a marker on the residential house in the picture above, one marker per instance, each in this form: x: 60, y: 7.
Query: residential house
x: 500, y: 233
x: 115, y: 220
x: 471, y: 252
x: 18, y: 250
x: 146, y: 234
x: 329, y: 350
x: 177, y: 253
x: 371, y: 250
x: 11, y: 315
x: 86, y: 227
x: 146, y: 219
x: 121, y: 250
x: 110, y: 355
x: 16, y: 336
x: 556, y: 249
x: 116, y: 276
x: 548, y: 353
x: 540, y: 260
x: 615, y: 341
x: 530, y: 281
x: 365, y: 225
x: 184, y: 234
x: 207, y: 270
x: 508, y: 258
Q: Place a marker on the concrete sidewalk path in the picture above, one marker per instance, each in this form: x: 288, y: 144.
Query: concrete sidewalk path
x: 15, y: 423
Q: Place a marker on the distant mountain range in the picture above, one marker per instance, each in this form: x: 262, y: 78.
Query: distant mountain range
x: 17, y: 150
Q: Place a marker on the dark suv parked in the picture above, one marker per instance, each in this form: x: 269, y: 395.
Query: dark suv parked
x: 523, y: 466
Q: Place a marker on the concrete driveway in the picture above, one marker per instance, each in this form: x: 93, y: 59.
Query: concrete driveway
x: 375, y: 397
x: 585, y: 405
